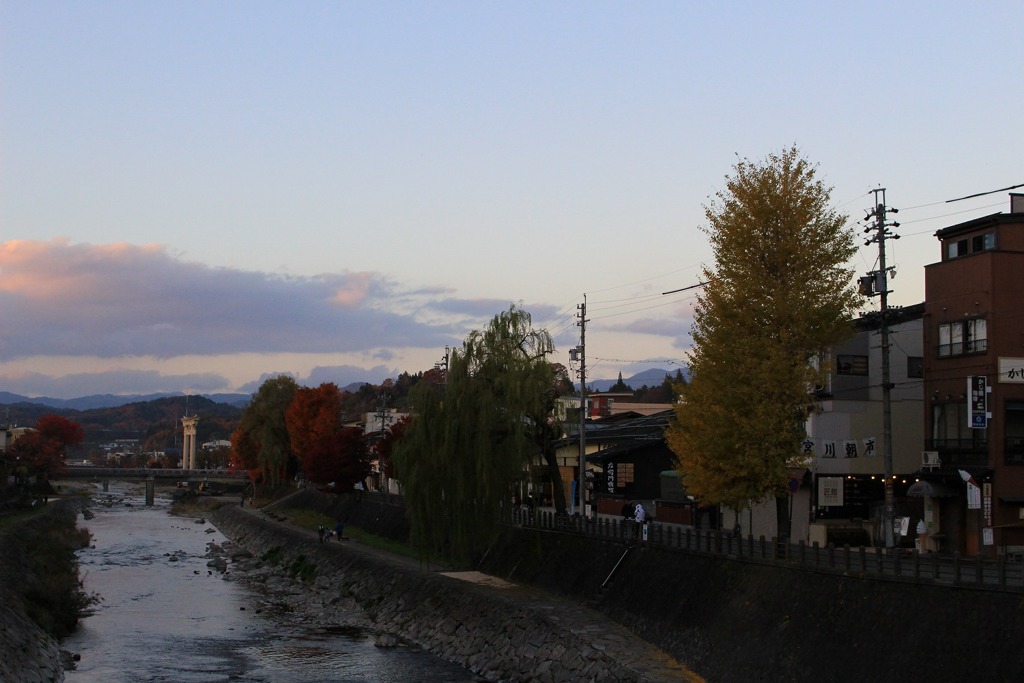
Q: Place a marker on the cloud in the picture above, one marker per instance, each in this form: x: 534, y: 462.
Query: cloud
x: 342, y: 375
x: 678, y: 329
x: 126, y: 300
x: 148, y: 321
x: 109, y: 382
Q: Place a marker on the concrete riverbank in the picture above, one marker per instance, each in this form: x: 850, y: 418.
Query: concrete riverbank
x: 28, y: 654
x: 731, y: 620
x: 496, y: 629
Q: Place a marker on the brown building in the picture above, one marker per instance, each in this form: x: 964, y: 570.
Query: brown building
x: 974, y: 384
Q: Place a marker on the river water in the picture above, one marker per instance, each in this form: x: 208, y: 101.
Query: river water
x: 166, y: 616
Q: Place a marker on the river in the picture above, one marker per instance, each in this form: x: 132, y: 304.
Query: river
x: 165, y: 616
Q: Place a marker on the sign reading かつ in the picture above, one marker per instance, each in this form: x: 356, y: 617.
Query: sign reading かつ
x: 1011, y: 370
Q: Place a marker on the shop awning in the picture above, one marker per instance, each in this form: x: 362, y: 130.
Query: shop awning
x: 932, y: 489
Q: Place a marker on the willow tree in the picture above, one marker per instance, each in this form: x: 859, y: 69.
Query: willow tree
x: 779, y: 295
x: 261, y: 444
x: 472, y: 438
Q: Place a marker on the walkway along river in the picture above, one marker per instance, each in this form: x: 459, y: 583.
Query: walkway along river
x: 166, y: 615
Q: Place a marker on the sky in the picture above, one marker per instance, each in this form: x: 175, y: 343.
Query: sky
x: 195, y: 196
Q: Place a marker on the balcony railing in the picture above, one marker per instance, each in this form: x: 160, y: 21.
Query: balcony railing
x: 1013, y: 450
x: 963, y: 348
x: 960, y: 453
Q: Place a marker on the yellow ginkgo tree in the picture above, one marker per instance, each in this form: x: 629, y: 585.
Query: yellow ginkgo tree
x: 779, y: 295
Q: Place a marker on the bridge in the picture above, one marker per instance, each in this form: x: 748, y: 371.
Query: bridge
x: 144, y: 473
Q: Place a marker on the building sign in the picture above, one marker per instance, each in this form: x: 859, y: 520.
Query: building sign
x: 1011, y: 370
x: 847, y: 448
x: 977, y: 389
x: 973, y: 491
x: 609, y: 476
x: 986, y: 503
x: 830, y: 491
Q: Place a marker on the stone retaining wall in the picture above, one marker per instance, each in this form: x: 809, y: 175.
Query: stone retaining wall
x: 747, y: 621
x: 27, y: 653
x: 499, y: 635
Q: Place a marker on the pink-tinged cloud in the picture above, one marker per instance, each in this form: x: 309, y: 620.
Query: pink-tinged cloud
x: 355, y: 290
x: 123, y: 299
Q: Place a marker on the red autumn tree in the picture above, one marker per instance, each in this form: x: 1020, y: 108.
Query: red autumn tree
x: 44, y: 450
x: 328, y: 451
x: 245, y: 453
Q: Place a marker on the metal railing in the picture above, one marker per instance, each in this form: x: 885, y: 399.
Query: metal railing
x: 1002, y: 574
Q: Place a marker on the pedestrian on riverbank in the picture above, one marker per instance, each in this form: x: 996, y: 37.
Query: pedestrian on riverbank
x: 339, y: 529
x: 320, y: 533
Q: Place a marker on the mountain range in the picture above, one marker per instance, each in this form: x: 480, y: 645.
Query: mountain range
x: 651, y: 377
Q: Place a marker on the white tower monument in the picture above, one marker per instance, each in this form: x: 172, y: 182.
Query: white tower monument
x: 188, y: 445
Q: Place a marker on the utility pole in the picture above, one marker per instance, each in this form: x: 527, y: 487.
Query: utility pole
x: 581, y: 355
x: 383, y: 414
x: 877, y: 283
x: 441, y: 367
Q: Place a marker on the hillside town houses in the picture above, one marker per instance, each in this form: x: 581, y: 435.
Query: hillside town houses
x: 956, y: 396
x: 956, y: 416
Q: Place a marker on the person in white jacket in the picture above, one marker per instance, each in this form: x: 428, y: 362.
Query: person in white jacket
x: 640, y: 515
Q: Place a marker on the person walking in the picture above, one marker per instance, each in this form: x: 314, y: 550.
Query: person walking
x: 639, y: 514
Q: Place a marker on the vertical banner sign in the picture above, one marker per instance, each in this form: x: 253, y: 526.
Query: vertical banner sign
x: 986, y: 509
x: 986, y: 503
x: 609, y: 476
x: 973, y: 491
x: 977, y: 389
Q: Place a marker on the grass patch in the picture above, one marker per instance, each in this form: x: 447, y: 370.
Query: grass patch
x: 13, y: 518
x: 41, y: 548
x: 311, y: 519
x: 274, y: 555
x: 299, y: 568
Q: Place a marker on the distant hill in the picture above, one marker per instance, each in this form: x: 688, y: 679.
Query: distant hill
x: 651, y: 378
x: 96, y: 401
x: 155, y: 424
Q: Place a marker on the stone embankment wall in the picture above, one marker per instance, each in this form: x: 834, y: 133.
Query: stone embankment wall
x: 744, y: 621
x: 500, y: 635
x: 738, y: 621
x: 27, y: 653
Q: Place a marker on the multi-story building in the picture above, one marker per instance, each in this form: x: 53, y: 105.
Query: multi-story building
x: 974, y: 390
x: 845, y: 444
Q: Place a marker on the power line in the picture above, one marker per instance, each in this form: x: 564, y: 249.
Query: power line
x: 982, y: 194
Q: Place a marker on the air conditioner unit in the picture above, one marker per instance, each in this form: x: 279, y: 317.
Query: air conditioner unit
x: 930, y: 459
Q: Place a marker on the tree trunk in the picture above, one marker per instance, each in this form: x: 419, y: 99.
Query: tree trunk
x: 558, y: 490
x: 782, y: 517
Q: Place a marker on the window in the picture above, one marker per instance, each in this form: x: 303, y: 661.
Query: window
x: 851, y: 365
x: 950, y: 430
x: 1014, y: 449
x: 963, y: 337
x: 986, y: 242
x: 956, y: 249
x: 915, y: 367
x: 623, y: 474
x: 977, y: 243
